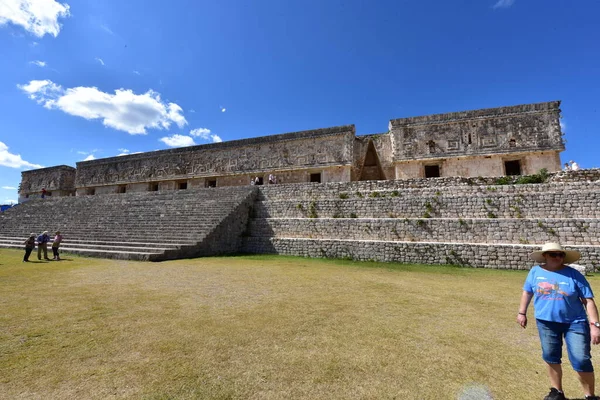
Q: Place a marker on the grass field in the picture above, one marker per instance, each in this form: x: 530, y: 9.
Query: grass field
x: 264, y: 327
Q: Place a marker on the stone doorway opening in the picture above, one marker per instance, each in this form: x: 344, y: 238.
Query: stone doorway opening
x: 512, y: 167
x: 371, y: 168
x: 315, y: 178
x: 432, y: 171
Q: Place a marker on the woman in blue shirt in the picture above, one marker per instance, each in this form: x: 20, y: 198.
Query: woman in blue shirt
x: 563, y: 301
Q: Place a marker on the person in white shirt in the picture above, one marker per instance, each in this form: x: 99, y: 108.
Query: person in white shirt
x: 574, y: 165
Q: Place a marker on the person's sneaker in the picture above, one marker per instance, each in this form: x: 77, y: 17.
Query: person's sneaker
x: 592, y: 398
x: 555, y: 394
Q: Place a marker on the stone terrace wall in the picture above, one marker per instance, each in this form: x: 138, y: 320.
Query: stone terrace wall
x: 571, y: 180
x: 507, y: 256
x: 443, y: 220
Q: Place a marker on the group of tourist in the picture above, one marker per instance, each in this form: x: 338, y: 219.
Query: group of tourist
x: 571, y: 166
x: 42, y: 242
x: 258, y: 181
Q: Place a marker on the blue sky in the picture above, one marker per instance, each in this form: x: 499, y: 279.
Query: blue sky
x: 98, y: 78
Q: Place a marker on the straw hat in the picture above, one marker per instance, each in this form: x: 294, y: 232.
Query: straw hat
x: 570, y: 255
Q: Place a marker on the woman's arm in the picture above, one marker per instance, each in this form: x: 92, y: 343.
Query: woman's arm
x: 592, y: 312
x: 522, y: 315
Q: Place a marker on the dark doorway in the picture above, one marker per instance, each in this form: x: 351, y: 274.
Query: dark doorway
x: 182, y: 185
x: 211, y: 183
x: 371, y: 170
x: 315, y: 177
x: 432, y: 171
x: 153, y: 187
x: 512, y: 167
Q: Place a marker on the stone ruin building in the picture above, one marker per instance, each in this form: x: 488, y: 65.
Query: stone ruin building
x: 517, y: 140
x: 464, y: 188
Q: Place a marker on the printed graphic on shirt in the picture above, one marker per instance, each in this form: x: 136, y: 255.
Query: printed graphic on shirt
x: 551, y: 290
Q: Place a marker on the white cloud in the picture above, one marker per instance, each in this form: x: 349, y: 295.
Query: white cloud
x: 178, y: 141
x: 9, y: 201
x: 106, y: 29
x: 14, y: 160
x: 41, y: 64
x: 101, y: 61
x: 89, y: 158
x: 136, y: 72
x: 123, y: 110
x: 223, y: 109
x: 123, y: 152
x: 205, y: 134
x: 41, y: 91
x: 563, y: 126
x: 504, y: 3
x: 9, y: 188
x: 39, y: 17
x: 192, y: 110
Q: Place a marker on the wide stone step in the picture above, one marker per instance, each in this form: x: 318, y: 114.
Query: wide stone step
x: 18, y: 242
x: 544, y: 206
x: 427, y: 187
x: 471, y: 230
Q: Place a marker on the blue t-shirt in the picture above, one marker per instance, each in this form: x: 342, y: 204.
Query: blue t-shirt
x: 556, y: 295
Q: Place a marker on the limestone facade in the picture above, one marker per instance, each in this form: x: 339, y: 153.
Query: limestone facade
x: 58, y: 181
x: 516, y: 140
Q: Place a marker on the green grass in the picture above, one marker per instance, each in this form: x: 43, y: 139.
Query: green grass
x: 263, y: 327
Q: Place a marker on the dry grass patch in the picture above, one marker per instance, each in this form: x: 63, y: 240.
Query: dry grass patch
x: 261, y: 327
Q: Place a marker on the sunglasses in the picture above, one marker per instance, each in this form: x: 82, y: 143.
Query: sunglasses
x: 555, y: 254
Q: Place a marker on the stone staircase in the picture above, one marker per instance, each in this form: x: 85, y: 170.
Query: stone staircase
x: 463, y: 221
x: 150, y: 226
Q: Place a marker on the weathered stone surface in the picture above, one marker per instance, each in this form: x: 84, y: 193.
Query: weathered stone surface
x: 58, y: 181
x: 517, y: 140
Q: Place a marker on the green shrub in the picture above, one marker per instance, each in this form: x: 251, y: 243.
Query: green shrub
x: 312, y: 210
x: 374, y: 194
x: 353, y: 215
x: 343, y: 195
x: 395, y: 193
